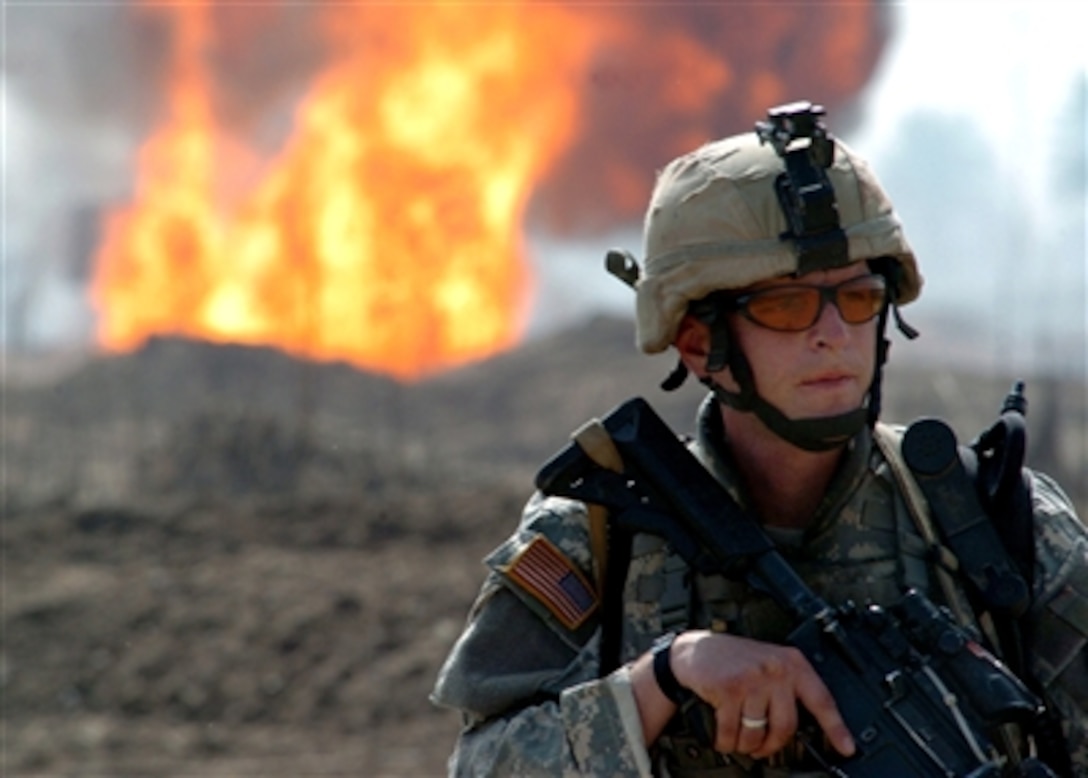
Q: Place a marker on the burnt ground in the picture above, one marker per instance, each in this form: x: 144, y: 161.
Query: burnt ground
x: 221, y: 561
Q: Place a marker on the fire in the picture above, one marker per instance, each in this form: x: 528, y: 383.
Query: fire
x: 387, y: 233
x: 388, y: 230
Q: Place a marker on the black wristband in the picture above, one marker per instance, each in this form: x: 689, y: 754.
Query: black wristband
x: 663, y: 674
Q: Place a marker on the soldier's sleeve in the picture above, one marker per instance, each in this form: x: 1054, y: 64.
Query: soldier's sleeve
x: 523, y: 672
x: 1060, y: 634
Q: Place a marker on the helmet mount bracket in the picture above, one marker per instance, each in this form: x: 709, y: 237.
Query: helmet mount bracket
x: 805, y: 194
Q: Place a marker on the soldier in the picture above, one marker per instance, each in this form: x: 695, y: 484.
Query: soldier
x: 772, y: 262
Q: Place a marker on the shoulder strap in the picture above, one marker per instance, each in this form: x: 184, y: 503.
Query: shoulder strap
x: 1003, y: 636
x: 610, y: 547
x: 889, y: 439
x: 594, y: 439
x: 941, y: 496
x: 930, y: 450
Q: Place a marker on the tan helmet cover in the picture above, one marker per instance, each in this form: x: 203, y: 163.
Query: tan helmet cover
x: 714, y: 222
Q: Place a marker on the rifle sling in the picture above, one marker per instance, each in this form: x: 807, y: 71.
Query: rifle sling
x: 610, y: 547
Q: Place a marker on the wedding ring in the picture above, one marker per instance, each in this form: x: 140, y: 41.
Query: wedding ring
x: 748, y: 723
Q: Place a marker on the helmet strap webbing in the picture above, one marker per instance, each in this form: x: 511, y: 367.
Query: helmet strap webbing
x: 815, y: 434
x: 875, y: 394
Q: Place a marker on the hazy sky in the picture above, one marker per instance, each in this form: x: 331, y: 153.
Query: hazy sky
x: 1008, y: 64
x: 998, y: 90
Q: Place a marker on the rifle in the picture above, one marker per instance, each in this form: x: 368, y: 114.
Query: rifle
x: 919, y: 694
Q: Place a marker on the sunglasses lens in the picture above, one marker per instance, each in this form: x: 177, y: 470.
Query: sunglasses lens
x: 796, y: 308
x: 861, y: 299
x: 789, y: 309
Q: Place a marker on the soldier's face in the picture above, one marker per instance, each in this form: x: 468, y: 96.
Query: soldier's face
x: 824, y: 370
x: 821, y: 371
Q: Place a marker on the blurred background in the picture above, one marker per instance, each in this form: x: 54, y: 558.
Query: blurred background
x: 297, y: 296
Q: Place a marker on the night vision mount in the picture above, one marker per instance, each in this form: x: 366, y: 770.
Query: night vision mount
x: 805, y: 194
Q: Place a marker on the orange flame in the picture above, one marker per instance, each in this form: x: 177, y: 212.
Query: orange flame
x: 385, y: 232
x: 388, y: 230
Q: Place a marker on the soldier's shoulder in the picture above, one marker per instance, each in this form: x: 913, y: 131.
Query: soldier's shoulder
x: 562, y: 521
x: 547, y: 563
x: 1061, y: 537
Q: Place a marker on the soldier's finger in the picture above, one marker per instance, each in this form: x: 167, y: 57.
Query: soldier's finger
x: 781, y: 723
x: 752, y: 733
x: 727, y: 720
x: 754, y: 723
x: 814, y: 695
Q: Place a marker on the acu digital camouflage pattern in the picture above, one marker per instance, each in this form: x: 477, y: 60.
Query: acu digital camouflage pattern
x: 528, y: 690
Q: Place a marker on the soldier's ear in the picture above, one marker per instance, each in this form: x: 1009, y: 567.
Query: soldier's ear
x: 693, y: 342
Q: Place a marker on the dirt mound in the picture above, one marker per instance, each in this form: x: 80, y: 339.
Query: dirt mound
x: 221, y: 560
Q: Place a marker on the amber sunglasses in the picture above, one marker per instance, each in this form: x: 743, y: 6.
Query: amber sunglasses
x: 796, y: 307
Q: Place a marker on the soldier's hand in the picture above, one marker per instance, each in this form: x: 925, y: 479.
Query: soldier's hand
x: 754, y: 689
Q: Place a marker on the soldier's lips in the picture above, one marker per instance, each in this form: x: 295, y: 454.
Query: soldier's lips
x: 828, y: 381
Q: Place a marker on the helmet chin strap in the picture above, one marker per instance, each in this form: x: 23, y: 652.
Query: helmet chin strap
x: 822, y: 433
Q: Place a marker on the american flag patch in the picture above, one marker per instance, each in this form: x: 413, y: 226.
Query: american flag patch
x: 553, y: 579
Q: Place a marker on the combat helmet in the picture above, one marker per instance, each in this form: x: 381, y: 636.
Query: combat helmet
x: 786, y: 199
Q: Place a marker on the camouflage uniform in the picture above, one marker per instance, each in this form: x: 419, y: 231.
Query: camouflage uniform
x: 525, y: 680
